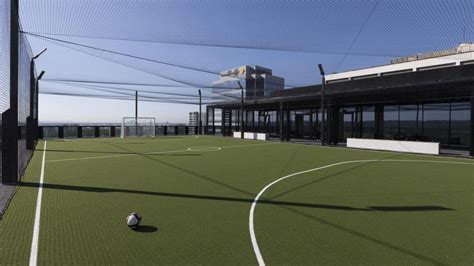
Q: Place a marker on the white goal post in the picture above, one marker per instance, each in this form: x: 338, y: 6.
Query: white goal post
x: 137, y: 127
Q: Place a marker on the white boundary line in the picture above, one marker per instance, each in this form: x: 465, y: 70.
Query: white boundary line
x: 36, y: 228
x: 253, y: 238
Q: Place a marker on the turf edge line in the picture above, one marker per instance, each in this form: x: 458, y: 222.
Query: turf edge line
x: 253, y: 238
x: 34, y: 241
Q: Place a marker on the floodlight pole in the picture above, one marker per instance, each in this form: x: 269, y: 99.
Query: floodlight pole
x: 34, y: 94
x: 199, y: 118
x: 241, y: 110
x: 136, y: 113
x: 323, y: 83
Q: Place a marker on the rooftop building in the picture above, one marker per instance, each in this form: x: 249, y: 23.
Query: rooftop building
x: 257, y: 81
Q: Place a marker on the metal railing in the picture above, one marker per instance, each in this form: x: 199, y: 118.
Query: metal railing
x: 107, y: 131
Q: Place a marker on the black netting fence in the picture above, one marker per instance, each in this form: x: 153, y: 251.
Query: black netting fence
x: 18, y: 96
x: 25, y: 119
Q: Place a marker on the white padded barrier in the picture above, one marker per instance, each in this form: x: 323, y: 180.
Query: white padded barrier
x: 261, y: 136
x: 251, y: 135
x: 395, y: 145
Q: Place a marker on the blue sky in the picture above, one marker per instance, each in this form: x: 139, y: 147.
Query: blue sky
x: 291, y: 37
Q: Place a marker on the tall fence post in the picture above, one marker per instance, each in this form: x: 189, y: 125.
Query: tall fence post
x: 60, y: 132
x: 10, y: 117
x: 472, y: 122
x: 96, y: 131
x: 30, y: 121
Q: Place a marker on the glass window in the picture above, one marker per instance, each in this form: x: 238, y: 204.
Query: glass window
x: 118, y: 131
x: 50, y: 132
x: 368, y: 122
x: 70, y: 132
x: 460, y: 124
x: 104, y: 131
x: 217, y: 116
x: 159, y: 131
x: 390, y: 121
x: 88, y: 132
x: 410, y: 116
x: 436, y: 122
x: 170, y: 130
x: 349, y: 122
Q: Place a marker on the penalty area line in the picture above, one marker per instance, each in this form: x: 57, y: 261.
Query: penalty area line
x: 36, y: 227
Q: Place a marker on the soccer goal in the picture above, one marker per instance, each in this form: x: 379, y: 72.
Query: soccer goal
x: 138, y: 127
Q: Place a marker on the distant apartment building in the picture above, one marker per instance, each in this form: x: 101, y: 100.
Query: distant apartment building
x: 257, y: 81
x: 193, y: 119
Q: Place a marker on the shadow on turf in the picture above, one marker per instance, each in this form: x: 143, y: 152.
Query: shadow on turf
x: 146, y: 229
x: 330, y: 176
x: 129, y: 153
x: 367, y: 237
x: 231, y: 199
x: 209, y: 179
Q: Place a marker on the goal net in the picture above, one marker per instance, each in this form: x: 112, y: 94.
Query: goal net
x: 138, y: 127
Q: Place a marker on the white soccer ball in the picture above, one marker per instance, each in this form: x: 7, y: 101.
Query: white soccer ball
x: 133, y: 220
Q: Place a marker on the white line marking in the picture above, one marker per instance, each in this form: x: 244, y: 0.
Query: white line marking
x: 36, y: 228
x: 253, y: 238
x: 113, y: 156
x: 148, y: 153
x: 204, y: 148
x: 248, y: 145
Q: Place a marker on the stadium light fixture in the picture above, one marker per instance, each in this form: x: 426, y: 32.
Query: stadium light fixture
x: 321, y: 69
x: 40, y: 75
x: 323, y: 83
x: 40, y: 53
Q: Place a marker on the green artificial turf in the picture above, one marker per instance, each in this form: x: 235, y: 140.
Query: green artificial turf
x: 195, y: 205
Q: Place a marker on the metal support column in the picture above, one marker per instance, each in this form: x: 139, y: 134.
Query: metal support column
x: 61, y: 132
x: 30, y: 121
x: 200, y: 117
x: 281, y: 120
x: 241, y: 111
x: 213, y: 121
x: 333, y: 122
x: 323, y: 107
x: 472, y: 122
x: 10, y: 117
x: 379, y: 121
x: 207, y: 121
x: 136, y: 113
